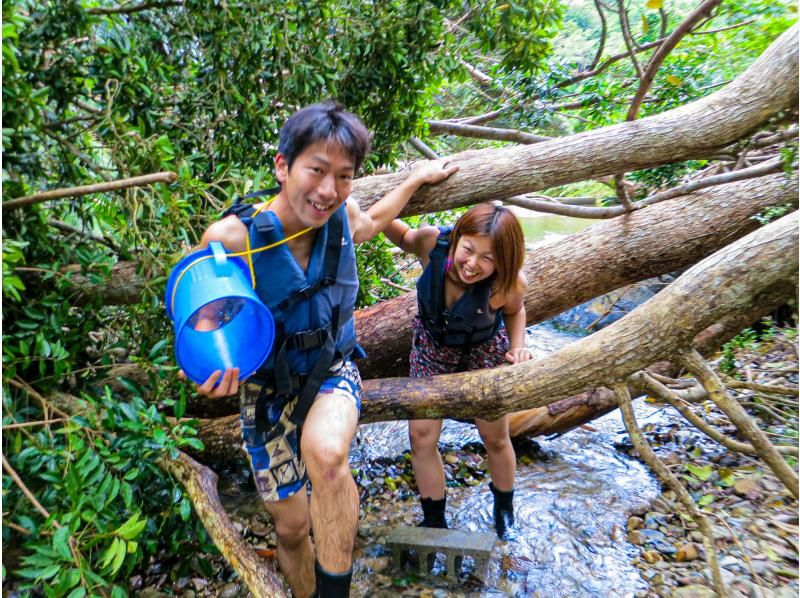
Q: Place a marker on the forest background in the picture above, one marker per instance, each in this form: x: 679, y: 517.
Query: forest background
x: 96, y: 92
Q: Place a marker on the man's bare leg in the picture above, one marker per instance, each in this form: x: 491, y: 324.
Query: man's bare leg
x: 295, y: 552
x: 327, y: 433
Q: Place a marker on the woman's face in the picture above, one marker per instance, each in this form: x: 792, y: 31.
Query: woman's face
x: 473, y: 259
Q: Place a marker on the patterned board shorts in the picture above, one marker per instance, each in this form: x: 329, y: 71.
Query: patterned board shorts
x: 429, y: 359
x: 278, y: 469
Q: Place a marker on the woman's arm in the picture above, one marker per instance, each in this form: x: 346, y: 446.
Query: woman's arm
x: 419, y: 241
x: 514, y: 315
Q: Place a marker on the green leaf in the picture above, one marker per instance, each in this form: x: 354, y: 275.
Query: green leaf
x: 185, y: 509
x: 61, y: 542
x: 77, y: 593
x: 705, y: 500
x: 180, y: 407
x: 108, y: 555
x: 119, y: 555
x: 132, y: 527
x: 701, y: 473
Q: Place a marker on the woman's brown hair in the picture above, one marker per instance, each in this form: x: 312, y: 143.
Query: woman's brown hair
x: 508, y: 242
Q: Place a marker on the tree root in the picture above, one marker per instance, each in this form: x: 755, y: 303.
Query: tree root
x: 695, y: 363
x: 658, y: 389
x: 652, y: 461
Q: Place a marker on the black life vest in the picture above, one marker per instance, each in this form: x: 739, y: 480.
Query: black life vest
x: 470, y: 320
x: 313, y: 310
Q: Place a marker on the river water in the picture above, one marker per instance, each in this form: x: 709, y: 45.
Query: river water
x: 571, y: 503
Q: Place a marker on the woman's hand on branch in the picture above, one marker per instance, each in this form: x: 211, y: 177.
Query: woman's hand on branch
x: 519, y: 355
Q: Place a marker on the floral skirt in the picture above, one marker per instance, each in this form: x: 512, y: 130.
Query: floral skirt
x: 429, y: 359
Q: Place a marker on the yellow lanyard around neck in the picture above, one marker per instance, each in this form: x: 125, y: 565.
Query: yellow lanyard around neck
x: 248, y: 253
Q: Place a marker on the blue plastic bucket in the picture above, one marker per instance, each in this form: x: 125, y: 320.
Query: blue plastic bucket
x: 219, y: 320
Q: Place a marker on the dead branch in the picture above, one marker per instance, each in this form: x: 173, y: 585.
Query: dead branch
x: 762, y: 169
x: 444, y: 127
x: 74, y: 230
x: 661, y: 391
x: 422, y: 148
x: 26, y: 491
x: 695, y: 363
x: 601, y: 45
x: 138, y: 181
x: 133, y: 8
x: 201, y: 486
x: 626, y: 35
x: 662, y: 471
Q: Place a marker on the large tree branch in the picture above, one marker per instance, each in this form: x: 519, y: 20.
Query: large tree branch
x: 720, y: 285
x: 766, y: 88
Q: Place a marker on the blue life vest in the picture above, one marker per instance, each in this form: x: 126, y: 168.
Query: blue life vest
x: 470, y: 320
x: 313, y: 309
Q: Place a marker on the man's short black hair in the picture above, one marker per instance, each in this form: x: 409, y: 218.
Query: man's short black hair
x: 319, y: 122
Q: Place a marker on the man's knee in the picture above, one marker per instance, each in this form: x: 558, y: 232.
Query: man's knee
x: 327, y: 459
x: 292, y: 529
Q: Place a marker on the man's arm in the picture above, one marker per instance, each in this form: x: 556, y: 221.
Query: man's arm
x: 366, y: 225
x: 229, y: 231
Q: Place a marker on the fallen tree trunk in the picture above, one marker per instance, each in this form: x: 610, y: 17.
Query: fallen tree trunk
x: 603, y: 257
x: 723, y: 290
x: 695, y: 130
x: 719, y: 286
x: 567, y: 414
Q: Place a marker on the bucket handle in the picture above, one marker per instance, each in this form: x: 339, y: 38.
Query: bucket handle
x: 220, y: 258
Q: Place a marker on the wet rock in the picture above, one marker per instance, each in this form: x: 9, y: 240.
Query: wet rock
x: 688, y: 552
x: 747, y: 487
x: 230, y: 590
x: 636, y: 537
x: 635, y: 523
x: 651, y: 556
x: 693, y: 591
x: 653, y: 520
x: 259, y: 529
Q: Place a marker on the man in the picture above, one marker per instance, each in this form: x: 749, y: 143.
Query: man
x: 305, y: 400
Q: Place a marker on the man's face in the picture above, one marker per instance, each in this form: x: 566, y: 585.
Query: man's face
x: 318, y: 182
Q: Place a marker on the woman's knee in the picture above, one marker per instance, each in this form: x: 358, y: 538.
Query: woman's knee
x: 496, y: 441
x: 424, y: 438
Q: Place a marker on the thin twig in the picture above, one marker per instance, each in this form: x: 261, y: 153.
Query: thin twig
x: 45, y: 422
x: 695, y: 363
x: 626, y: 35
x: 654, y: 463
x: 28, y: 494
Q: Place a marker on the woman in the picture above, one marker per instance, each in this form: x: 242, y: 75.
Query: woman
x: 471, y: 316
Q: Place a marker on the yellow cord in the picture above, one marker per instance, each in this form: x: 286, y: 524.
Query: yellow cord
x: 248, y: 253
